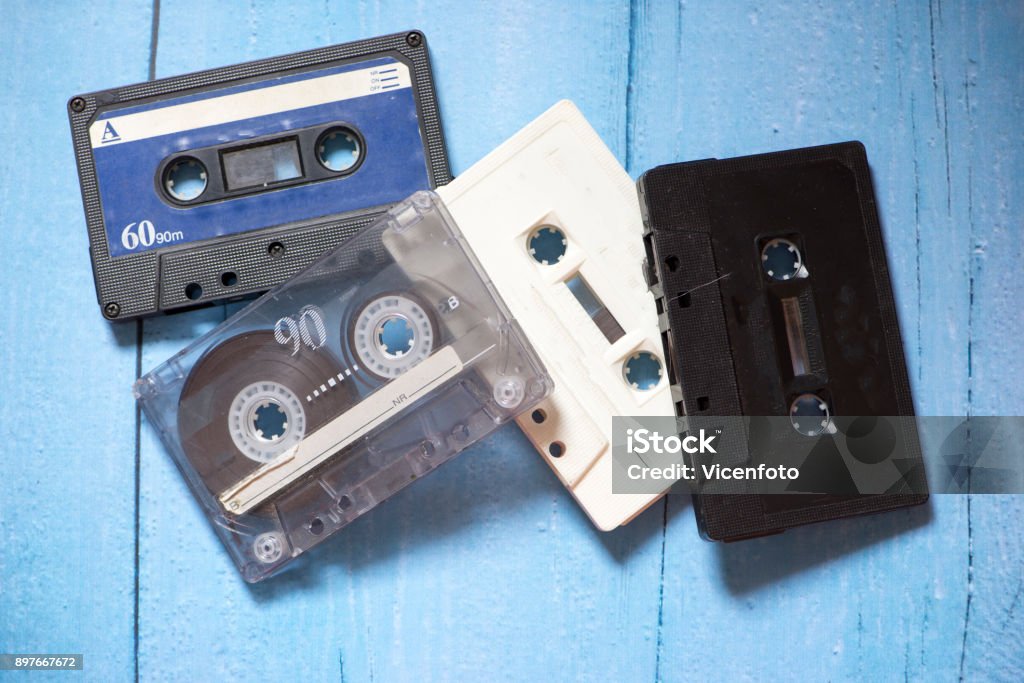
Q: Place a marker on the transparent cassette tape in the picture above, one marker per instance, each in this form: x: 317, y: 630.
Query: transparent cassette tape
x: 332, y: 392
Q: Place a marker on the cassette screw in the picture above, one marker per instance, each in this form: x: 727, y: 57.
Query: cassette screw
x: 77, y: 104
x: 111, y: 310
x: 276, y: 250
x: 414, y: 39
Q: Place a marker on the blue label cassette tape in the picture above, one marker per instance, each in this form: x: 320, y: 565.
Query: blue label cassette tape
x: 222, y: 184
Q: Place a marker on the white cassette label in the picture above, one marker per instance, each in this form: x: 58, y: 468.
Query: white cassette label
x: 214, y: 111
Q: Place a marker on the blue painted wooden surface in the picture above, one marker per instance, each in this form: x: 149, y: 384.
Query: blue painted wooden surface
x: 487, y: 569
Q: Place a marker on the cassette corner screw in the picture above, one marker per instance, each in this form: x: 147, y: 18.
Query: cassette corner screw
x: 78, y: 105
x: 112, y: 310
x: 414, y: 39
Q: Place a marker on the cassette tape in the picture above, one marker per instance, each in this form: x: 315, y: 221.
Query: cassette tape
x: 218, y: 185
x: 775, y: 299
x: 554, y: 219
x: 332, y: 392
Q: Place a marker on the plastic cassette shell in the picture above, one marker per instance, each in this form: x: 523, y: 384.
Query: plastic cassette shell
x: 704, y: 224
x: 348, y: 436
x: 156, y: 280
x: 557, y: 172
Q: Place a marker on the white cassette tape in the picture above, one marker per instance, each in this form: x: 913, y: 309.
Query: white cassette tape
x: 555, y: 221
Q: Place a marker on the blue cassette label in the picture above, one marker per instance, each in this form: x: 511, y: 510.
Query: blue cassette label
x: 129, y: 145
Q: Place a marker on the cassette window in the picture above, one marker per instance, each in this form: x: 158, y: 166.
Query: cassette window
x: 261, y: 165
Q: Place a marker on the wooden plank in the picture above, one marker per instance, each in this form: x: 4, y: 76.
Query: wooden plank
x: 67, y: 506
x: 884, y: 596
x: 980, y: 54
x: 485, y: 569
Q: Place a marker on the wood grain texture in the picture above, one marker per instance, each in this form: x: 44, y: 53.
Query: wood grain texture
x: 487, y: 569
x: 67, y: 419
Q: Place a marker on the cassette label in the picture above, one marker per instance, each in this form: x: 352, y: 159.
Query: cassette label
x: 235, y: 179
x: 334, y: 391
x: 351, y: 99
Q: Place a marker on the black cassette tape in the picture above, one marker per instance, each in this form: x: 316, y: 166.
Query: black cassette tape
x: 220, y: 184
x: 337, y: 389
x: 774, y: 302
